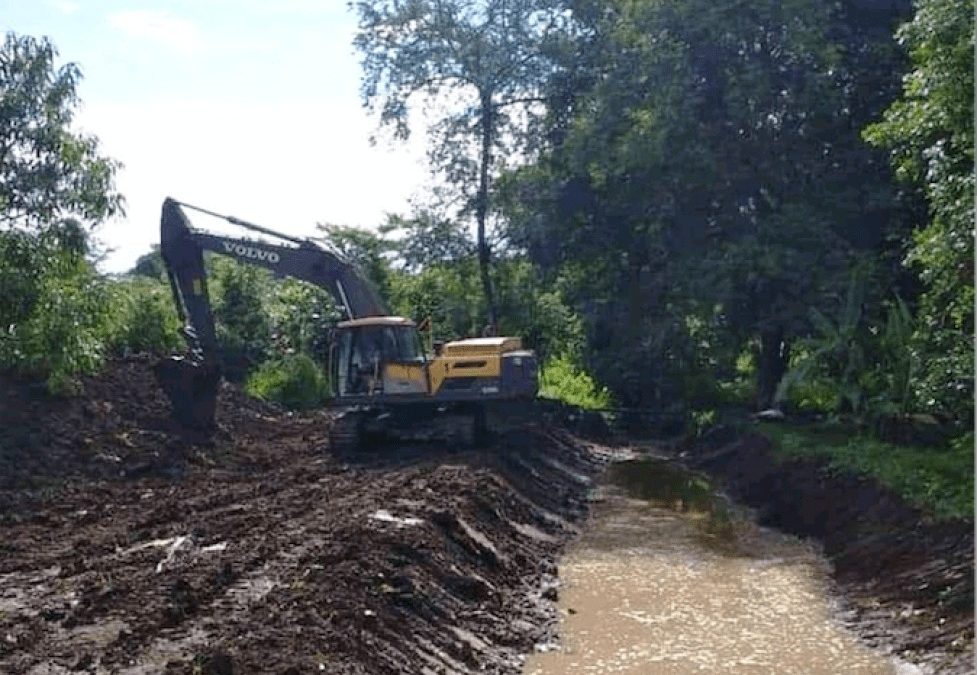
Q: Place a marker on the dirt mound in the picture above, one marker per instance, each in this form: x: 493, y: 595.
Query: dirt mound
x: 264, y: 554
x: 909, y: 582
x: 119, y: 427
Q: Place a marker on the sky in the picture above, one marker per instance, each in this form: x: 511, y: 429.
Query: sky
x: 245, y: 107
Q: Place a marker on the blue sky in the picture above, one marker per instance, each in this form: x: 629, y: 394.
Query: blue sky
x: 247, y: 107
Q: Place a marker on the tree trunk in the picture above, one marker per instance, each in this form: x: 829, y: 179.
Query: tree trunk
x: 771, y: 365
x: 481, y: 210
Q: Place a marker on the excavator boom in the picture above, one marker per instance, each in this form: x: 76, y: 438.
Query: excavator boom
x: 191, y: 382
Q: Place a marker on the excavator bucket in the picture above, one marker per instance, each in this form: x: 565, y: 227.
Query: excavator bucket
x: 192, y: 390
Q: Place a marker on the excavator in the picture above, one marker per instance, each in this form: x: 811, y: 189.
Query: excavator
x: 384, y: 383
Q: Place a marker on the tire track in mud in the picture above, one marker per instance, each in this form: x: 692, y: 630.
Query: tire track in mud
x: 266, y: 555
x: 258, y: 576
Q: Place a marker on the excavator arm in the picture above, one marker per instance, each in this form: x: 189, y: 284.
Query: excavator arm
x: 191, y: 382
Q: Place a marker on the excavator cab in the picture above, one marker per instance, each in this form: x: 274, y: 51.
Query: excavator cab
x: 375, y: 357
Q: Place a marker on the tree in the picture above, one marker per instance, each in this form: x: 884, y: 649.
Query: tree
x: 243, y: 325
x: 150, y: 264
x: 367, y: 250
x: 706, y: 177
x: 491, y: 55
x: 426, y: 238
x: 47, y: 171
x: 930, y: 131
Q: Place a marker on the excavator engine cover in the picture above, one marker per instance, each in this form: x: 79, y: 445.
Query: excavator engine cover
x: 192, y: 390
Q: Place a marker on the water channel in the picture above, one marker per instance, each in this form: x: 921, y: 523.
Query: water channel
x: 668, y: 577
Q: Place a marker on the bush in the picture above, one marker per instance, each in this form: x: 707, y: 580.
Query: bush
x: 242, y: 323
x: 63, y: 330
x: 148, y: 320
x: 301, y: 316
x: 293, y: 381
x: 563, y: 380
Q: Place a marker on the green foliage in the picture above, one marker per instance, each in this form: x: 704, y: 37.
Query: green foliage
x: 938, y: 480
x: 837, y: 352
x: 447, y: 293
x: 706, y: 164
x: 930, y: 131
x: 294, y: 381
x: 539, y: 314
x: 564, y: 380
x: 63, y: 318
x: 47, y: 171
x: 490, y: 57
x: 147, y: 320
x: 736, y: 386
x: 427, y: 238
x: 243, y: 326
x: 150, y: 265
x: 855, y: 363
x: 367, y: 250
x: 897, y: 364
x: 301, y: 317
x: 703, y: 420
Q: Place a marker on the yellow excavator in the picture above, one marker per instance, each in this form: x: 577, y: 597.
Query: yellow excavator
x: 384, y: 384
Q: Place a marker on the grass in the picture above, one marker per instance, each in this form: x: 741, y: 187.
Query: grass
x: 940, y: 481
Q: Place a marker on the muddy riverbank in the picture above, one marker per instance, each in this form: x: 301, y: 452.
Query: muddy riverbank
x: 670, y: 578
x: 126, y: 549
x: 906, y: 583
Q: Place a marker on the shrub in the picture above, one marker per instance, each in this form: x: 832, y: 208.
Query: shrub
x: 293, y: 381
x: 564, y: 380
x: 242, y: 323
x: 64, y: 332
x: 939, y: 479
x: 148, y: 321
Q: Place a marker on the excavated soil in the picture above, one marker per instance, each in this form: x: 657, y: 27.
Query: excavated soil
x: 907, y: 582
x: 127, y: 548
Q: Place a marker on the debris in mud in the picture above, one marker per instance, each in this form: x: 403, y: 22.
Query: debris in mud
x: 261, y: 553
x: 386, y: 517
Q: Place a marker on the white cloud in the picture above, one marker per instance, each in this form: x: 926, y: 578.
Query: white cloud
x: 66, y: 6
x: 286, y: 165
x: 158, y: 26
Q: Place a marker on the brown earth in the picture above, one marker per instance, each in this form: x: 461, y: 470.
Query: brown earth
x: 126, y: 548
x: 907, y: 582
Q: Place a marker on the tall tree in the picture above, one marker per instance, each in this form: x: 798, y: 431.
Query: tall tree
x: 930, y: 131
x: 48, y: 172
x: 484, y: 61
x: 707, y: 167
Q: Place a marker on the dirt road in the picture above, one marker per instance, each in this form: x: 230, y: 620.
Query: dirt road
x: 263, y: 553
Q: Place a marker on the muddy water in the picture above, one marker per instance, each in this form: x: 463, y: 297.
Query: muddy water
x: 668, y: 578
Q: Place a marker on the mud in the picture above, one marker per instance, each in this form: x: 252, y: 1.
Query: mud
x: 906, y: 583
x: 129, y: 549
x: 669, y: 577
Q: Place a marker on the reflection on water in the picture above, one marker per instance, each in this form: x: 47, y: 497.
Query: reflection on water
x: 668, y: 578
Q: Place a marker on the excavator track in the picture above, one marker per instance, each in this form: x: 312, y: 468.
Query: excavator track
x: 346, y: 434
